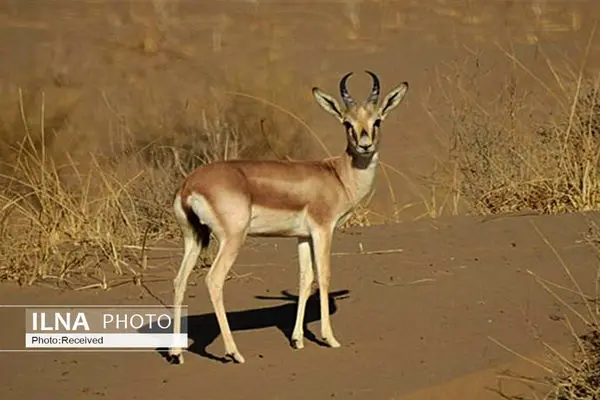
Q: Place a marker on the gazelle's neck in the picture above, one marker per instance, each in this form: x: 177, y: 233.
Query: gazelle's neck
x: 357, y: 173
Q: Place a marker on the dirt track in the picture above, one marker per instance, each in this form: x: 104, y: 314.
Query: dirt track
x: 417, y: 321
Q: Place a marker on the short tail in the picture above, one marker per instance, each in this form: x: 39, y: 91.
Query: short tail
x: 202, y: 230
x: 184, y: 213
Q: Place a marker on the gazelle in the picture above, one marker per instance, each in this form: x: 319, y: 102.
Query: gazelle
x: 302, y: 199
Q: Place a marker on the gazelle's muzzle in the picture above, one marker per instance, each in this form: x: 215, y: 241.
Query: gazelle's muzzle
x: 365, y: 143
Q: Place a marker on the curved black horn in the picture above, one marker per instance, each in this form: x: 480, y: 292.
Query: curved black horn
x: 348, y: 101
x: 374, y: 96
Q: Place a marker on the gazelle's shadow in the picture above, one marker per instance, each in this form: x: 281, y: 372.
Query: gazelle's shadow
x: 203, y: 329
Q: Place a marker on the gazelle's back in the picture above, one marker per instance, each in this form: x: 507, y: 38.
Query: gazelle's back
x: 279, y: 195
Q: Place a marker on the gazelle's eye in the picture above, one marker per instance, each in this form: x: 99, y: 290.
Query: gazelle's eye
x: 377, y: 123
x: 350, y: 129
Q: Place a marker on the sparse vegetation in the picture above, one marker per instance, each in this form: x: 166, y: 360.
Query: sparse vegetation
x: 518, y: 152
x: 577, y: 376
x: 573, y: 376
x: 580, y: 379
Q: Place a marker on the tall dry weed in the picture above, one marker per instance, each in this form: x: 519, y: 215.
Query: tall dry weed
x: 74, y: 219
x: 574, y: 375
x: 522, y: 151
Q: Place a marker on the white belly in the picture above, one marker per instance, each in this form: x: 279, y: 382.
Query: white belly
x: 268, y: 222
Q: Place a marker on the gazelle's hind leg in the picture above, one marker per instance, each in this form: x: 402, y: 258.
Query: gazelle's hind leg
x: 230, y: 226
x: 215, y: 279
x: 192, y: 249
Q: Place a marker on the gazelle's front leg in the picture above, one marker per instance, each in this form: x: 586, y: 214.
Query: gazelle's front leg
x: 306, y: 279
x: 322, y: 249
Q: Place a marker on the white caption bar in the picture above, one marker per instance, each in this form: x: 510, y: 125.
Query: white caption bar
x: 105, y: 340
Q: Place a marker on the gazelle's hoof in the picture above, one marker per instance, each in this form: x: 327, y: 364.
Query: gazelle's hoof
x: 297, y: 344
x: 331, y: 342
x: 175, y: 359
x: 236, y: 357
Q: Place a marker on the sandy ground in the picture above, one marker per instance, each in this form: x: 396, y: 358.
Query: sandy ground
x: 417, y: 323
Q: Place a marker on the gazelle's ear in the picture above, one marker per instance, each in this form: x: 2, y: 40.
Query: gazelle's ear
x: 328, y: 103
x: 392, y: 99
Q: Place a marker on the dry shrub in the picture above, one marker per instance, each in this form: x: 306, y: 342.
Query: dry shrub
x: 521, y: 152
x: 85, y: 218
x: 577, y: 377
x: 580, y: 380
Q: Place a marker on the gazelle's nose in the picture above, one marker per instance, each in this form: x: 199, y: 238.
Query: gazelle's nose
x: 364, y: 141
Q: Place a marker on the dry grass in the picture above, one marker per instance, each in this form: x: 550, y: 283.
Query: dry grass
x: 574, y: 376
x: 577, y: 377
x: 73, y: 222
x: 580, y: 379
x: 522, y: 150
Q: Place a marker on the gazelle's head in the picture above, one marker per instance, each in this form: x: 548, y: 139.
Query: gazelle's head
x: 361, y: 120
